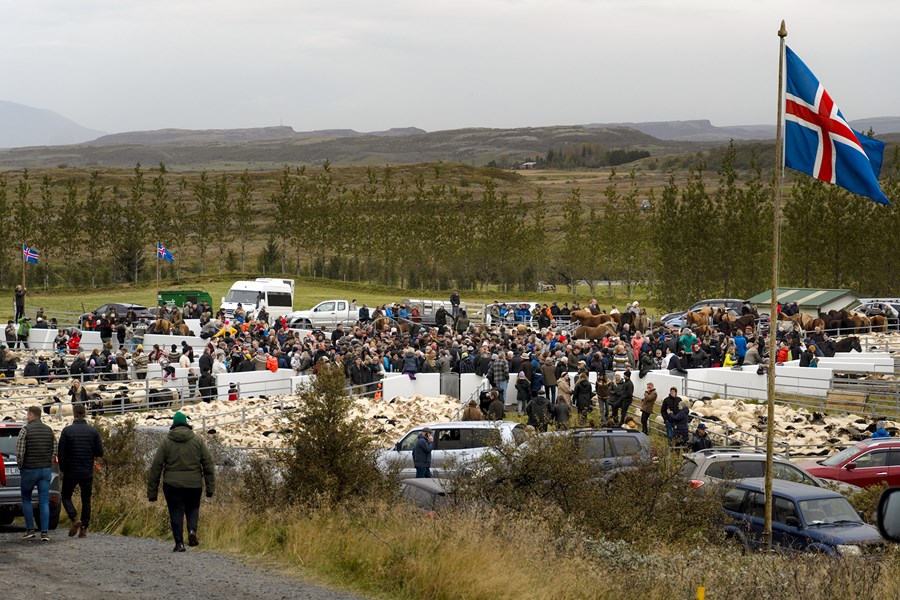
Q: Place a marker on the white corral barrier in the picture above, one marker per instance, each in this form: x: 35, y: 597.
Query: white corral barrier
x: 425, y: 384
x: 254, y: 384
x: 166, y: 341
x: 661, y: 380
x: 866, y: 362
x: 469, y: 383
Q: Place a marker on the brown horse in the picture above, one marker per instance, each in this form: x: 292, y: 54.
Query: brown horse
x: 593, y: 333
x: 696, y: 318
x: 861, y: 322
x: 587, y: 319
x: 642, y: 321
x: 166, y: 327
x: 879, y: 323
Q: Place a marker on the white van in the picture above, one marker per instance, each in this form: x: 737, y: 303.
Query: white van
x: 276, y: 294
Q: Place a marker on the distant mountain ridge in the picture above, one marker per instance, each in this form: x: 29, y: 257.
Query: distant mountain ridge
x: 255, y: 134
x: 22, y: 125
x: 275, y: 146
x: 702, y: 130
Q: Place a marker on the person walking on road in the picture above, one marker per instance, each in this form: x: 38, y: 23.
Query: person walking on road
x: 422, y: 453
x: 79, y: 445
x: 35, y: 449
x: 185, y: 465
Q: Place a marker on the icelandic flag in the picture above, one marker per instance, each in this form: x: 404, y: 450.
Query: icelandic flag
x: 29, y: 254
x: 818, y: 141
x: 163, y: 253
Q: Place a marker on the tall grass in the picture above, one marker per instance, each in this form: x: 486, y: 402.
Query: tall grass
x: 393, y: 551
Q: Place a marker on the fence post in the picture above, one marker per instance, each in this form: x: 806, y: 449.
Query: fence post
x: 726, y: 391
x: 203, y: 423
x: 147, y: 391
x: 243, y: 414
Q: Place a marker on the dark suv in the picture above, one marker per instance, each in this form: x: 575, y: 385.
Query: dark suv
x: 804, y: 518
x: 613, y: 449
x: 10, y: 496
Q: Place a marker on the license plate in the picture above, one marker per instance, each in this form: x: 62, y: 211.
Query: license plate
x: 12, y: 470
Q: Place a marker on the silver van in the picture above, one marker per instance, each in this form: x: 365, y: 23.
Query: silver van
x: 456, y: 444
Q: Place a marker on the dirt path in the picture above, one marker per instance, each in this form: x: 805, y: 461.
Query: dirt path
x: 106, y: 567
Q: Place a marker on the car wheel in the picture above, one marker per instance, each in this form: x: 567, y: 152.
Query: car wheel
x: 55, y: 509
x: 6, y: 518
x: 304, y: 324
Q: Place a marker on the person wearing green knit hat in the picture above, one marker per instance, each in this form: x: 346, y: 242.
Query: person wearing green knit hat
x: 185, y: 466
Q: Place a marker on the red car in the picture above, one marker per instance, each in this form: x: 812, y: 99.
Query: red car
x: 864, y: 464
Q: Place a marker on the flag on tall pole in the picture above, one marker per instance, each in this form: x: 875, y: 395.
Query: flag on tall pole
x: 29, y: 254
x: 812, y: 136
x: 818, y: 140
x: 163, y: 253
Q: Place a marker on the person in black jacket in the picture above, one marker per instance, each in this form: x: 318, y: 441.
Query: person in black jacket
x: 669, y: 407
x: 538, y: 411
x: 79, y: 445
x: 207, y: 385
x: 421, y: 453
x: 626, y: 394
x: 206, y: 360
x: 582, y: 394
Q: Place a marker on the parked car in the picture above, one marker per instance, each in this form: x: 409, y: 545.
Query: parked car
x: 715, y: 465
x: 10, y: 496
x: 427, y: 308
x: 611, y: 449
x: 324, y: 314
x: 456, y: 445
x: 889, y: 307
x: 121, y: 309
x: 889, y: 514
x: 864, y: 464
x: 427, y: 494
x: 805, y: 518
x: 679, y: 318
x: 277, y: 294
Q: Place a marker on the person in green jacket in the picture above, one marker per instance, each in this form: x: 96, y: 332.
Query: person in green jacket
x: 185, y: 465
x: 22, y: 332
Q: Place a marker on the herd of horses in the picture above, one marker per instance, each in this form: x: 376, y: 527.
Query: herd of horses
x: 709, y: 320
x: 839, y: 321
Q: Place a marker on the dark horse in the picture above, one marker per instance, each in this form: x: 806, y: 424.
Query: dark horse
x: 847, y: 344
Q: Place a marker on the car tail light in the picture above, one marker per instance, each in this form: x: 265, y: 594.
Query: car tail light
x: 695, y: 483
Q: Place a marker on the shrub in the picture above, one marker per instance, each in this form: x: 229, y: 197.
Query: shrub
x: 329, y: 454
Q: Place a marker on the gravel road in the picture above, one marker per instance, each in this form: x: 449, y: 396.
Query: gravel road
x: 106, y: 567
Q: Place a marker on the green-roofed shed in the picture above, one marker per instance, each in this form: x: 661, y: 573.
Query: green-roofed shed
x: 810, y: 300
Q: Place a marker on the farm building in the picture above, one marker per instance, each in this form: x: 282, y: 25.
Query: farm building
x: 810, y: 300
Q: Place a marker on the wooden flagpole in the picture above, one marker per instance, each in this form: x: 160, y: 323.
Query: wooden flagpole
x: 773, y: 314
x: 156, y: 300
x: 23, y: 265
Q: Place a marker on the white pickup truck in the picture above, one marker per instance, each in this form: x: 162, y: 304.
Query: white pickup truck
x: 327, y: 313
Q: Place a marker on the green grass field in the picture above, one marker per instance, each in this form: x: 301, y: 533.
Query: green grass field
x: 308, y: 292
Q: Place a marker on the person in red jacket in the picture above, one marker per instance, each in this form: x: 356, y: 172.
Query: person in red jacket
x: 784, y: 354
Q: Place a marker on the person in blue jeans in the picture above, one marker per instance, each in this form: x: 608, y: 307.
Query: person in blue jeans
x: 421, y: 454
x: 35, y: 449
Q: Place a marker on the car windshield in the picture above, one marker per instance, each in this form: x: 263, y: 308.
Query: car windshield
x: 242, y: 296
x: 826, y: 511
x: 839, y: 458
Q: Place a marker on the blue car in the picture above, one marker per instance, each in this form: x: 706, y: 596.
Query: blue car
x: 804, y: 519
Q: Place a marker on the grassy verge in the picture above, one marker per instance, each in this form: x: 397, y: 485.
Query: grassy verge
x: 394, y: 552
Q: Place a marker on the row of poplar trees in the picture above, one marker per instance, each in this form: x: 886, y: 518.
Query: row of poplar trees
x: 703, y: 234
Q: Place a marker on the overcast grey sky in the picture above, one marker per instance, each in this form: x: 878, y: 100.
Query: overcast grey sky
x: 120, y: 65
